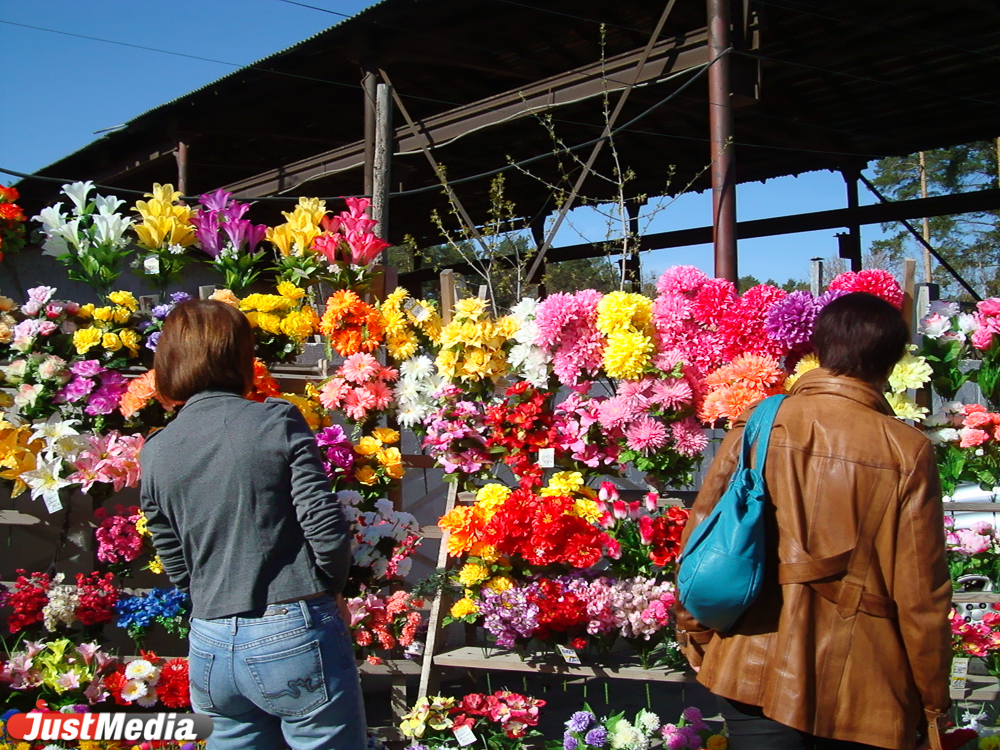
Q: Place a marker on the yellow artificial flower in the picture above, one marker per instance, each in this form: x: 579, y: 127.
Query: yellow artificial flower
x: 103, y: 314
x: 391, y: 461
x: 86, y: 311
x: 471, y: 307
x: 463, y: 608
x: 804, y: 365
x: 564, y: 483
x: 365, y: 475
x: 155, y: 565
x: 385, y: 435
x: 627, y: 354
x: 300, y: 324
x: 84, y: 339
x: 472, y: 574
x: 905, y: 407
x: 719, y: 742
x: 618, y: 310
x: 446, y: 362
x: 140, y: 525
x: 265, y: 303
x: 164, y: 193
x: 125, y: 299
x: 130, y: 340
x: 7, y: 304
x: 368, y: 446
x: 499, y: 583
x: 507, y: 326
x: 121, y: 315
x: 401, y: 346
x: 392, y: 320
x: 490, y: 497
x: 308, y: 409
x: 910, y: 372
x: 6, y: 333
x: 289, y: 291
x: 485, y: 552
x: 476, y: 365
x: 587, y: 510
x: 111, y: 342
x: 265, y: 321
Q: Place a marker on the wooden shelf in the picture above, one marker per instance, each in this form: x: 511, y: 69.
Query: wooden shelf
x: 394, y: 667
x: 975, y: 597
x: 471, y: 657
x: 950, y: 507
x: 16, y: 518
x: 978, y: 688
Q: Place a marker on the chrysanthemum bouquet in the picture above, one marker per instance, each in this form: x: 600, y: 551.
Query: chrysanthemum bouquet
x: 282, y: 322
x: 91, y: 239
x: 360, y: 388
x: 584, y: 731
x: 164, y: 232
x: 567, y: 332
x: 472, y: 353
x: 737, y: 385
x: 350, y: 324
x: 228, y: 239
x: 526, y: 359
x: 411, y: 326
x: 383, y: 622
x: 500, y: 721
x: 415, y: 392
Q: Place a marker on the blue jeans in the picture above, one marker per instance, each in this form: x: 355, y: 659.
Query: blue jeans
x: 288, y: 677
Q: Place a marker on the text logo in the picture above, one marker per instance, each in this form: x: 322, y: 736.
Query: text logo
x: 51, y: 725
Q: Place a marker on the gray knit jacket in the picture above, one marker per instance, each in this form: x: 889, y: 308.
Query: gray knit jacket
x: 240, y: 509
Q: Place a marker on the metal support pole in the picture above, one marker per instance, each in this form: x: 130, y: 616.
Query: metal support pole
x: 720, y: 123
x: 382, y: 162
x: 370, y: 82
x: 816, y: 276
x: 538, y: 235
x: 632, y: 268
x: 181, y: 154
x: 851, y: 177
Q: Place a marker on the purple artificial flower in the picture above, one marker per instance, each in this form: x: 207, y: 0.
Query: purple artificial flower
x: 580, y: 721
x: 206, y: 231
x: 216, y: 200
x: 153, y: 340
x: 114, y: 379
x: 331, y: 435
x: 829, y: 296
x: 107, y: 397
x: 790, y: 320
x: 160, y: 312
x: 87, y: 368
x: 142, y: 326
x: 597, y: 737
x: 570, y: 742
x: 74, y: 390
x: 177, y: 297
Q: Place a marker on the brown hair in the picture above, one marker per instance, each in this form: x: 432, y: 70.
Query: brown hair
x: 860, y: 335
x: 204, y: 344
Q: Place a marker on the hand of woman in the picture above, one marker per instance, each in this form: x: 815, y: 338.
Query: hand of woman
x: 345, y: 613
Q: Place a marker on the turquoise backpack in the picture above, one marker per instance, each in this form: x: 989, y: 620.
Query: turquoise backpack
x: 723, y: 562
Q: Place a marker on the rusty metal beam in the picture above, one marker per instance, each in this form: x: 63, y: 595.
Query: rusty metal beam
x: 720, y: 126
x: 668, y: 56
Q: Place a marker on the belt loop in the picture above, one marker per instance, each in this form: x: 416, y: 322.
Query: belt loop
x: 232, y: 625
x: 306, y: 614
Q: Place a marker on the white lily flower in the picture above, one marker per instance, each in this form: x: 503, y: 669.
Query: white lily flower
x: 109, y: 229
x: 54, y: 429
x: 50, y: 217
x: 45, y: 482
x: 77, y: 192
x: 70, y: 232
x: 107, y: 204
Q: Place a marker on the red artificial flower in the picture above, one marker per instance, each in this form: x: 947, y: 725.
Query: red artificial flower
x: 578, y: 643
x: 173, y: 687
x: 28, y: 599
x: 474, y: 704
x: 114, y: 682
x: 96, y: 598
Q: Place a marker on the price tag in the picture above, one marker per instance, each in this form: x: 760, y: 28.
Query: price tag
x: 959, y: 672
x: 569, y: 655
x: 482, y: 291
x: 151, y: 265
x: 416, y: 648
x: 53, y: 503
x: 414, y: 308
x: 546, y: 458
x: 464, y: 735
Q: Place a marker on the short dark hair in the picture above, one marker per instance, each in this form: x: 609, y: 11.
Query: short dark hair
x: 204, y: 344
x: 860, y: 335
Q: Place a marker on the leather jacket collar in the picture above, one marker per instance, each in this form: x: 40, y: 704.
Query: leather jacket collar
x: 822, y: 381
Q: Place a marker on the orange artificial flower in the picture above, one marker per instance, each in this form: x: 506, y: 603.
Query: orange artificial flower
x: 139, y: 393
x: 351, y: 324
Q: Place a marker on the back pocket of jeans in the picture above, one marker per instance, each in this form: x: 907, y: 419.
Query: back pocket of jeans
x: 200, y: 677
x: 291, y: 682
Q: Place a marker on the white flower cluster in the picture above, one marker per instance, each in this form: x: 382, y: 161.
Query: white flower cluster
x: 62, y: 604
x: 527, y: 360
x: 418, y: 380
x: 637, y: 736
x: 371, y: 527
x: 140, y: 687
x: 948, y: 423
x: 944, y: 321
x: 64, y: 233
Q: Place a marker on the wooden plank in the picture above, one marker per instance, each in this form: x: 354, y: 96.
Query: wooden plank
x: 978, y: 688
x: 392, y: 667
x: 950, y: 507
x: 471, y: 657
x: 16, y: 518
x: 975, y: 597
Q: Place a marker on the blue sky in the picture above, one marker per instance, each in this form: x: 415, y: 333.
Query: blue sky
x: 60, y: 89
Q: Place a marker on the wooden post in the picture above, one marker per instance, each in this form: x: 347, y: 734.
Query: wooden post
x: 720, y: 119
x: 909, y: 290
x: 428, y: 678
x: 181, y: 154
x: 447, y: 295
x: 816, y: 276
x: 382, y: 162
x: 928, y: 277
x: 370, y: 82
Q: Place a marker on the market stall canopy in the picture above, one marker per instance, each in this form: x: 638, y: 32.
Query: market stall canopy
x: 817, y: 85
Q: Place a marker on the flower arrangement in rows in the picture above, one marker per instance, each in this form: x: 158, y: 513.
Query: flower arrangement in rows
x: 58, y: 671
x: 109, y: 332
x: 91, y: 239
x: 383, y: 622
x: 455, y: 436
x: 648, y: 536
x: 164, y: 232
x: 349, y: 246
x: 139, y: 613
x: 351, y: 324
x: 500, y: 721
x: 12, y: 220
x: 472, y: 347
x: 228, y: 239
x: 947, y: 343
x: 584, y: 731
x: 90, y: 602
x: 281, y: 322
x: 410, y: 325
x: 692, y: 733
x: 972, y: 551
x: 360, y: 388
x: 967, y: 442
x: 383, y: 540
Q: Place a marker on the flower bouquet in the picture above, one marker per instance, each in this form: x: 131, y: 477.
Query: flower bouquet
x: 383, y: 622
x: 60, y: 672
x: 360, y: 388
x: 90, y: 240
x: 109, y: 333
x: 281, y: 322
x: 648, y: 536
x: 165, y: 232
x: 149, y: 680
x: 351, y: 324
x: 11, y: 222
x: 987, y: 342
x: 349, y: 246
x: 410, y: 325
x: 472, y: 353
x: 974, y: 551
x: 455, y: 436
x: 228, y: 239
x: 692, y: 733
x: 382, y: 543
x: 500, y: 721
x: 584, y: 731
x: 946, y: 345
x: 978, y: 638
x: 170, y: 608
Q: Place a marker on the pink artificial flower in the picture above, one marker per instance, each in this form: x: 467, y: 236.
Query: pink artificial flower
x: 381, y: 394
x: 646, y: 530
x: 972, y: 437
x: 672, y: 393
x: 357, y: 403
x: 645, y: 434
x: 360, y: 368
x: 972, y: 543
x: 989, y: 306
x: 982, y: 338
x: 332, y: 394
x: 681, y: 280
x: 608, y: 492
x: 689, y: 437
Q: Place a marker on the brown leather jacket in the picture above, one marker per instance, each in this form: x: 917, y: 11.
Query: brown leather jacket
x: 852, y: 662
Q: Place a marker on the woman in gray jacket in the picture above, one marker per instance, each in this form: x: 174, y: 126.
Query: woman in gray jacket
x: 243, y: 517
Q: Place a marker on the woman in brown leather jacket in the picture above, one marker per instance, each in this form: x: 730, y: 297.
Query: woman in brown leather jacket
x: 848, y: 644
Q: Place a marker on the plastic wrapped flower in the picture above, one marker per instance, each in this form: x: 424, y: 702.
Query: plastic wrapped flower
x: 409, y: 324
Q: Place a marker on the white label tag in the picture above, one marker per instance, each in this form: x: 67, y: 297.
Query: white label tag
x: 414, y: 308
x: 53, y: 504
x: 959, y: 672
x: 482, y: 291
x: 464, y: 735
x: 416, y: 648
x: 151, y: 265
x: 569, y: 655
x: 546, y: 458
